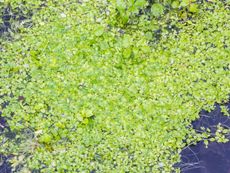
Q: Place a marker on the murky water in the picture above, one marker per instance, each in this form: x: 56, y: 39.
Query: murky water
x: 13, y: 19
x: 215, y: 158
x: 4, y: 165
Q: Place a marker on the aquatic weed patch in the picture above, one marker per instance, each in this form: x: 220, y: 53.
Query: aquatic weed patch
x: 85, y: 95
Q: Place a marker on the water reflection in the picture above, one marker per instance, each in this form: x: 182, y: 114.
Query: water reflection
x: 4, y: 165
x: 215, y: 158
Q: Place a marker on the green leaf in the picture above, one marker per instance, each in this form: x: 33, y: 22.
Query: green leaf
x: 193, y: 8
x: 99, y: 31
x: 45, y: 138
x: 175, y: 4
x: 140, y: 3
x: 127, y: 41
x: 127, y: 52
x: 184, y: 3
x: 157, y: 9
x: 121, y: 5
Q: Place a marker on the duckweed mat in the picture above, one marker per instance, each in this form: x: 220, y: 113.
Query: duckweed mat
x: 111, y: 85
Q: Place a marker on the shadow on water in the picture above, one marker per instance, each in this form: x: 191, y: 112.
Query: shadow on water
x: 215, y: 158
x: 4, y: 164
x: 13, y: 19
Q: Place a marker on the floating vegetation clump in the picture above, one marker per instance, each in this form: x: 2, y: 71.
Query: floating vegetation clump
x: 112, y: 86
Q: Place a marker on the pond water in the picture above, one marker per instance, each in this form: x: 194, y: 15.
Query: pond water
x: 4, y: 165
x: 215, y: 158
x: 12, y: 19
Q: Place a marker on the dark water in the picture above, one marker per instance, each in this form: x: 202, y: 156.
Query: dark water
x: 215, y: 158
x: 12, y: 18
x: 4, y: 165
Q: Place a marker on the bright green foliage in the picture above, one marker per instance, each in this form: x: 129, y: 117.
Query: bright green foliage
x: 157, y: 9
x: 125, y: 12
x: 100, y: 97
x: 225, y: 110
